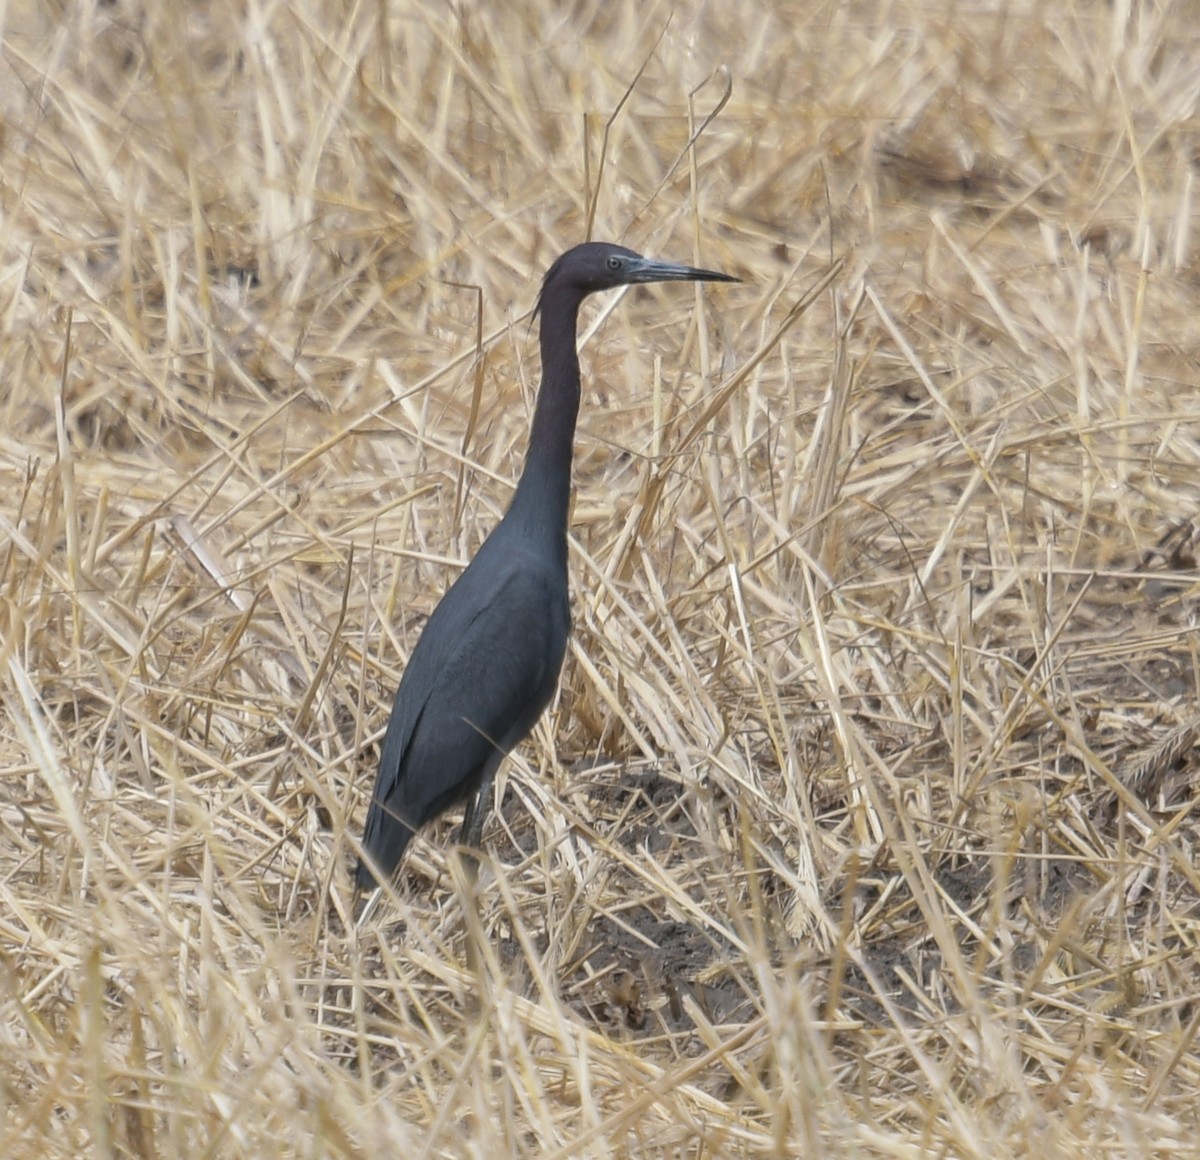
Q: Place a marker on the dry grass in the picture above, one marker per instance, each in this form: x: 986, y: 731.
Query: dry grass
x: 864, y: 823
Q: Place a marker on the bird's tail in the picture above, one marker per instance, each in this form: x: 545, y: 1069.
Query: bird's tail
x: 384, y: 844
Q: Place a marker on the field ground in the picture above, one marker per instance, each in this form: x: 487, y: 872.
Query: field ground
x: 865, y: 821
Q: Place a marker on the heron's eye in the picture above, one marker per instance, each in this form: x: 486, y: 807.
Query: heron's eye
x: 614, y: 263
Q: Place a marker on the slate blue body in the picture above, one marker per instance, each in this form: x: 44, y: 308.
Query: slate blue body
x: 501, y: 630
x: 488, y: 660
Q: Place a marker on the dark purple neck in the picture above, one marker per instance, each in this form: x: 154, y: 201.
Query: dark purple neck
x: 542, y: 500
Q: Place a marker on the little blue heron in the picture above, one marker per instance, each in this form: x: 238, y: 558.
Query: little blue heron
x: 488, y: 660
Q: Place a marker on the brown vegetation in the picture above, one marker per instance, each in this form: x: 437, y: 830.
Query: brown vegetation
x: 864, y: 821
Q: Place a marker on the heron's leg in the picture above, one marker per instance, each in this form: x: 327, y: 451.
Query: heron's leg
x: 473, y: 816
x: 478, y: 805
x: 472, y: 831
